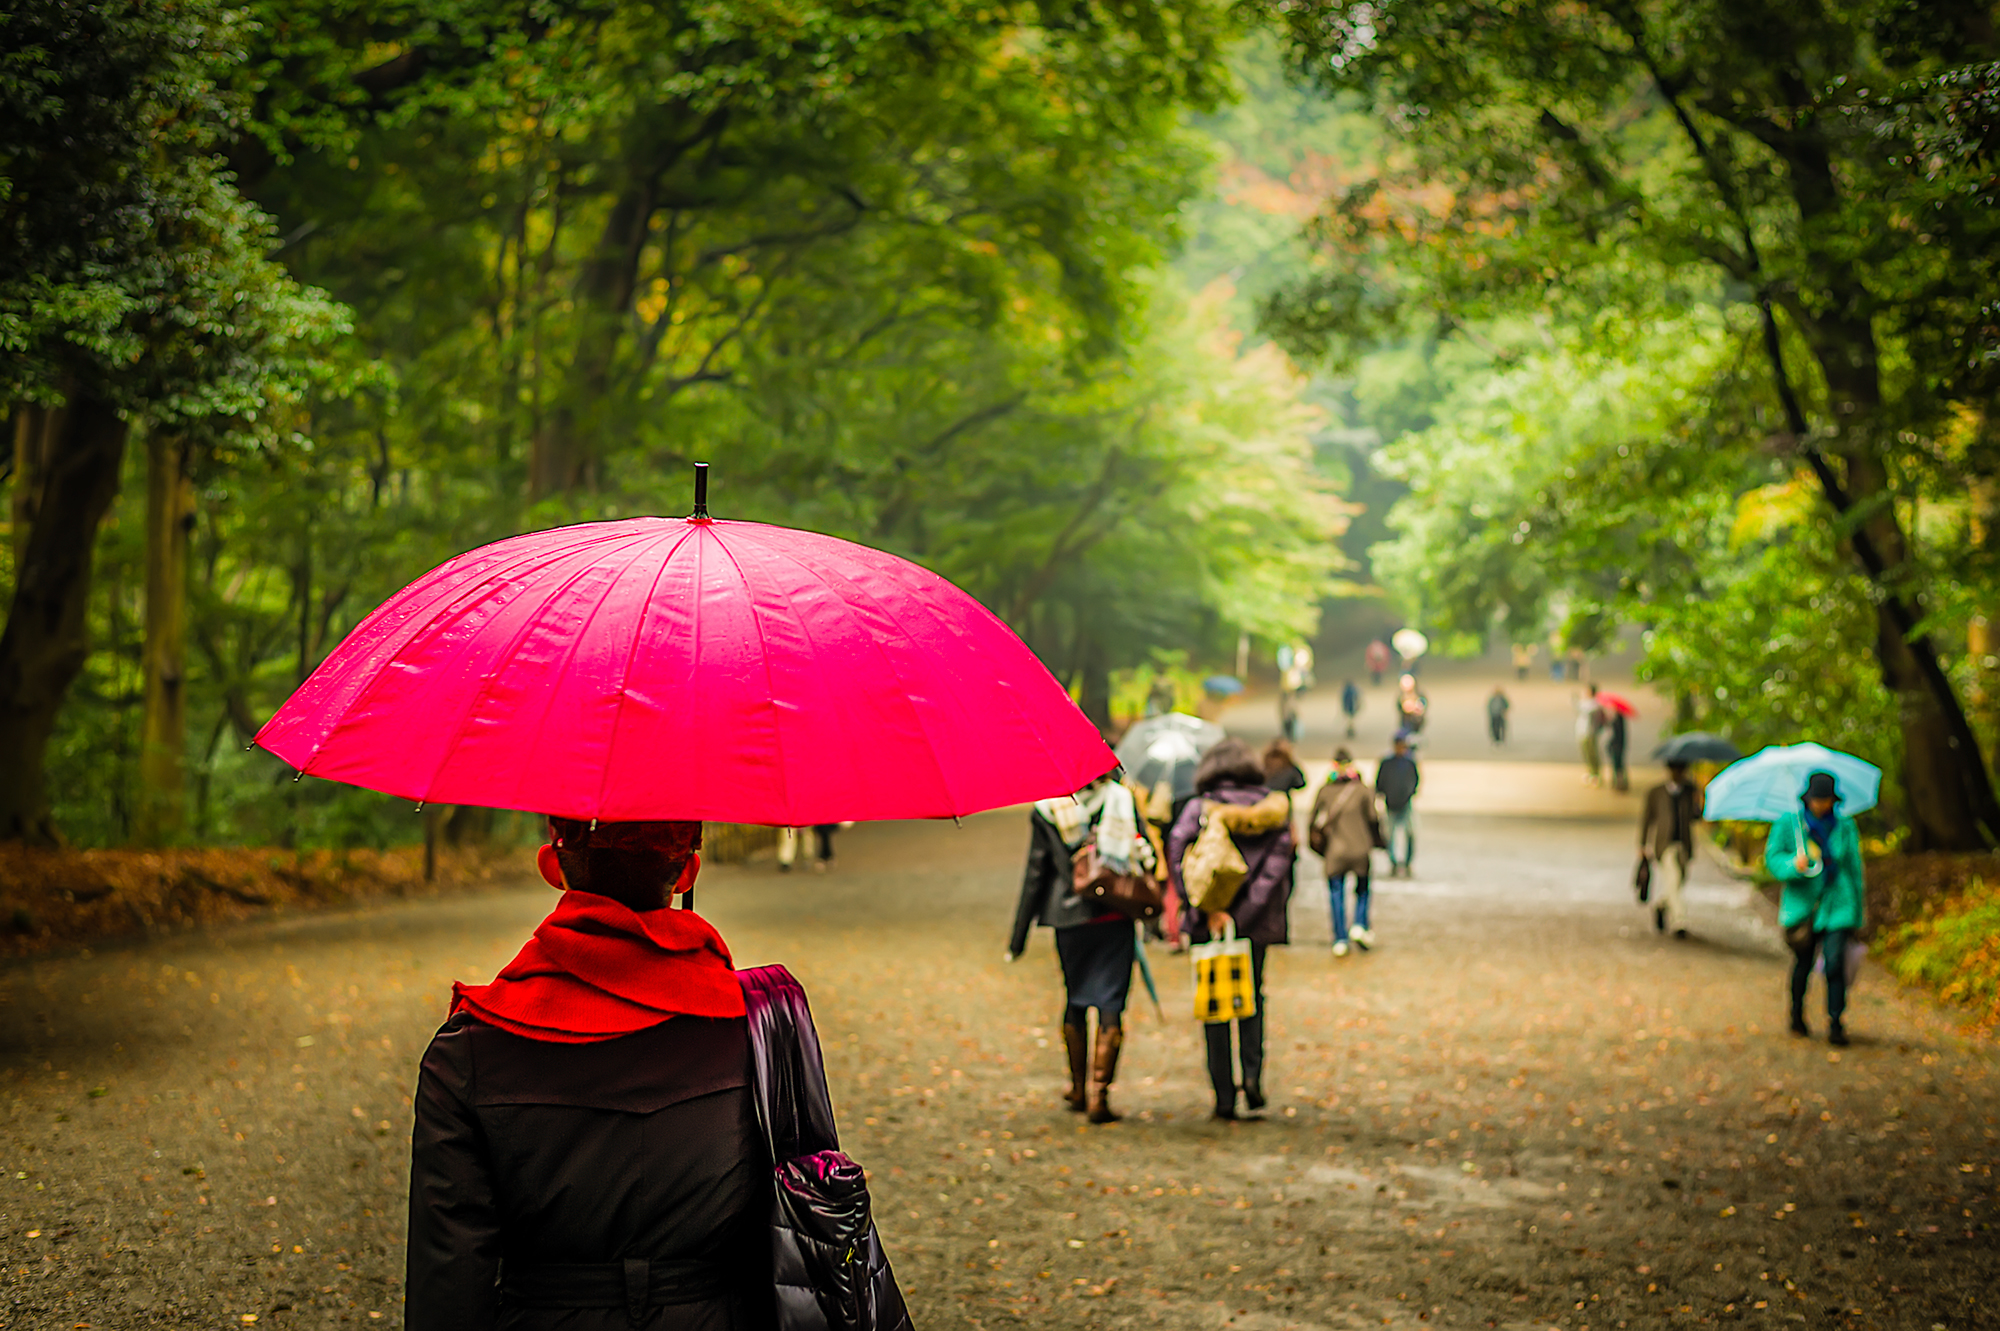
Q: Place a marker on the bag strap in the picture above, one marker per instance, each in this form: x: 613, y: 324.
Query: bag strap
x: 788, y: 1074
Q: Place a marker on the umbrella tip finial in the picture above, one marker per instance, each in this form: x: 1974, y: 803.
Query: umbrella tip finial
x: 700, y: 490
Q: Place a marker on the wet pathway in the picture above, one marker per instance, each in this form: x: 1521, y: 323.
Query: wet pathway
x: 1523, y: 1109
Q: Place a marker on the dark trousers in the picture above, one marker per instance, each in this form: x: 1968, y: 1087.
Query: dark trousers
x: 823, y: 839
x: 1250, y: 1041
x: 1832, y: 949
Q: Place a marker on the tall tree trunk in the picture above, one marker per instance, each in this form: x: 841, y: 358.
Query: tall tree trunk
x: 1948, y: 792
x: 66, y: 475
x: 162, y: 806
x: 562, y: 457
x: 1094, y: 684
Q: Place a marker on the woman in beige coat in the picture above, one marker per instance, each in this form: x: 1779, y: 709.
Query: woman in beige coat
x: 1344, y: 831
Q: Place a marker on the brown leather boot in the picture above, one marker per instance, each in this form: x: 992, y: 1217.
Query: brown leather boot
x: 1103, y: 1068
x: 1076, y: 1043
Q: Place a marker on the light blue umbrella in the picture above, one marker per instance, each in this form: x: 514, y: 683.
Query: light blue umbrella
x: 1767, y: 785
x: 1222, y: 686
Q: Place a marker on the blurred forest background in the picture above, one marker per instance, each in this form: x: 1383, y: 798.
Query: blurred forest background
x: 1152, y: 323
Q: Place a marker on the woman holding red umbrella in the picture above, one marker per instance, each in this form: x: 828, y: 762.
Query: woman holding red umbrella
x: 621, y: 1129
x: 616, y: 1037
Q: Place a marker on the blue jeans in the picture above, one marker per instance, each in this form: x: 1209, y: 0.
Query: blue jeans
x: 1336, y: 893
x: 1400, y: 820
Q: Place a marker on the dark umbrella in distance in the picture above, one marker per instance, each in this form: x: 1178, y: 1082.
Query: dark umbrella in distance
x: 1697, y: 746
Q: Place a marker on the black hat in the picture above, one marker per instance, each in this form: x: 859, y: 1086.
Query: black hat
x: 1819, y: 786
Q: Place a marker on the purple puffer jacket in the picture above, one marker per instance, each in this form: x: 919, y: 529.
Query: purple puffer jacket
x: 1262, y: 906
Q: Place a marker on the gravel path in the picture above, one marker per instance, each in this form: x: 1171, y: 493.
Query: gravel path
x: 1523, y: 1109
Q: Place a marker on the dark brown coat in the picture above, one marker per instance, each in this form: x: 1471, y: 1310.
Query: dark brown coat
x: 528, y: 1153
x: 1667, y: 812
x: 1344, y: 829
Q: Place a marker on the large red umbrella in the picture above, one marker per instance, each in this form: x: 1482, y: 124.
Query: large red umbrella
x: 689, y: 668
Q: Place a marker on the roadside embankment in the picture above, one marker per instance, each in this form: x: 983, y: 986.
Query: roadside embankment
x: 54, y: 899
x: 1936, y: 921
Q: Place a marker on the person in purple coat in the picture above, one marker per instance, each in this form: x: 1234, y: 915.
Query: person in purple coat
x: 1231, y: 773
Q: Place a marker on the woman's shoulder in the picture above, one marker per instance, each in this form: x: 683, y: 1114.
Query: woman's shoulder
x: 679, y: 1059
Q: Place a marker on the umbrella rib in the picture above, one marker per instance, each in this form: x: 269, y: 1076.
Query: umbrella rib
x: 764, y: 663
x: 452, y: 597
x: 486, y: 685
x: 638, y: 634
x: 957, y: 803
x: 820, y: 577
x: 570, y: 651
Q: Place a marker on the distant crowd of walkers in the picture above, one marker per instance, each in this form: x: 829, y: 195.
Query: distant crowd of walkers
x: 1813, y: 853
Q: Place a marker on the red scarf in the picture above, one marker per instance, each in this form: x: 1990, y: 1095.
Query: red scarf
x: 597, y: 969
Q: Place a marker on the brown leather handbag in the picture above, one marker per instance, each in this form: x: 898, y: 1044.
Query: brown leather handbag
x: 1137, y: 896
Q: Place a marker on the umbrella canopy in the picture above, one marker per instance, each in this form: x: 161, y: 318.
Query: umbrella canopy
x: 1697, y: 746
x: 1617, y: 702
x: 1132, y: 749
x: 1409, y: 643
x: 1766, y: 786
x: 1165, y: 751
x: 1222, y: 685
x: 690, y: 669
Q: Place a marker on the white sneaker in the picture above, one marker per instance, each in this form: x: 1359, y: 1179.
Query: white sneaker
x: 1340, y: 949
x: 1364, y: 939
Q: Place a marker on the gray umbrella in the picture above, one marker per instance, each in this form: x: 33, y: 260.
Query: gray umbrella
x: 1697, y: 746
x: 1163, y: 751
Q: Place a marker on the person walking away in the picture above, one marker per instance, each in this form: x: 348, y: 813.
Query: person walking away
x: 1396, y: 781
x: 1496, y: 714
x: 1377, y: 658
x: 1230, y: 775
x: 1556, y: 657
x: 1614, y: 748
x: 1666, y: 837
x: 1589, y: 722
x: 1524, y: 656
x: 1281, y: 767
x: 1350, y: 703
x: 590, y: 1112
x: 823, y: 845
x: 1411, y: 706
x: 1815, y: 852
x: 1343, y: 830
x: 1288, y: 713
x: 1094, y: 946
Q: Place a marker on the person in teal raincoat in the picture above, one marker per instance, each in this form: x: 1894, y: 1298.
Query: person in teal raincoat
x: 1816, y: 854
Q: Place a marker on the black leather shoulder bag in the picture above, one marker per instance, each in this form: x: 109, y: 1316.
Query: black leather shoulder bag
x: 826, y: 1258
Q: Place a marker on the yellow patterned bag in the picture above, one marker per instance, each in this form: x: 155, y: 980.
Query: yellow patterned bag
x: 1225, y: 988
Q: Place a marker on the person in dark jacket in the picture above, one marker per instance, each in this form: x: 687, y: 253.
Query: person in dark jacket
x: 1616, y: 735
x: 1281, y: 767
x: 1666, y: 838
x: 586, y: 1153
x: 1396, y: 781
x: 1231, y: 774
x: 1095, y: 947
